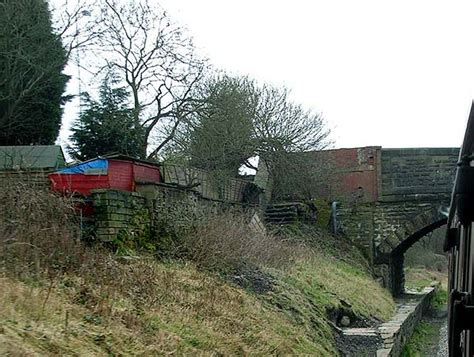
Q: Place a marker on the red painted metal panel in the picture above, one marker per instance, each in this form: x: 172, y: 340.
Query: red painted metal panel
x: 121, y: 175
x: 146, y: 173
x: 77, y: 183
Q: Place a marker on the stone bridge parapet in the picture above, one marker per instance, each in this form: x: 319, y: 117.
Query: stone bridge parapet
x: 389, y: 199
x: 417, y: 174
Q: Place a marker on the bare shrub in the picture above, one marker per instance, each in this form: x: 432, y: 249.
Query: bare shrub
x: 224, y: 240
x: 38, y: 231
x: 40, y: 242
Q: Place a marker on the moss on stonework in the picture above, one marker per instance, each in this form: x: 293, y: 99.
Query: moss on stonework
x: 324, y: 213
x: 137, y: 235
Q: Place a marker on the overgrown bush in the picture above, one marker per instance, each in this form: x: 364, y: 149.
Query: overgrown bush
x: 40, y: 238
x: 227, y: 240
x: 39, y: 233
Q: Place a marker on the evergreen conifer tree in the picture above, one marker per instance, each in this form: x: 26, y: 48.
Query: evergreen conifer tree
x: 32, y: 84
x: 106, y: 126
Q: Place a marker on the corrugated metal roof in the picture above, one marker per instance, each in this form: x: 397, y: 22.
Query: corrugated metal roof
x: 31, y: 157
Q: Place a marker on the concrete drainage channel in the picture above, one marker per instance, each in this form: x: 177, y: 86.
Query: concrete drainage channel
x: 388, y: 339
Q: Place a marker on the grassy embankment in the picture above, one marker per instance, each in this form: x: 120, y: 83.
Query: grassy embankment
x: 218, y: 296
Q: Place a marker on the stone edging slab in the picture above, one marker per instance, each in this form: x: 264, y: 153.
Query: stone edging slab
x: 388, y: 339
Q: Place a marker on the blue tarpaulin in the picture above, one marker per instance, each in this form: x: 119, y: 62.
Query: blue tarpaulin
x: 94, y: 167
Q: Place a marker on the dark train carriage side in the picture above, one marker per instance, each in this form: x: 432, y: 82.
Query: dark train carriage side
x: 113, y: 172
x: 460, y: 244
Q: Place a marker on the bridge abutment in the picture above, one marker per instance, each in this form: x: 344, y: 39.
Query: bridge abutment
x: 384, y: 231
x: 388, y: 199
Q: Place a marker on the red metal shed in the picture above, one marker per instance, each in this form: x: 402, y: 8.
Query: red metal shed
x: 114, y: 172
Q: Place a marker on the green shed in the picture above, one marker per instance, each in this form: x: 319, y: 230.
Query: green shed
x: 31, y: 158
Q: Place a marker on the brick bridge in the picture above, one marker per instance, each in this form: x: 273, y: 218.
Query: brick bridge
x: 389, y: 199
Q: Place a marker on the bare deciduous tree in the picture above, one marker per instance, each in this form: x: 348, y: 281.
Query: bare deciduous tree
x: 77, y: 24
x: 287, y: 136
x: 301, y: 175
x: 239, y: 120
x: 281, y: 126
x: 156, y: 60
x: 246, y: 120
x: 218, y: 135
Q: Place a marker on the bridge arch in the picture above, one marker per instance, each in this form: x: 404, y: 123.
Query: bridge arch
x: 387, y: 200
x: 406, y: 235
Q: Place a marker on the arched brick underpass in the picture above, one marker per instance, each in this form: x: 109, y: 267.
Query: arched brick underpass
x: 387, y: 199
x: 392, y: 263
x: 384, y: 231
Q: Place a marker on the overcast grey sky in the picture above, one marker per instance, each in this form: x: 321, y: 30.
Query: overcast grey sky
x: 390, y: 73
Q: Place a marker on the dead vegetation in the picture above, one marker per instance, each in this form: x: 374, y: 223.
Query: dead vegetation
x: 227, y: 240
x: 60, y: 296
x: 39, y: 235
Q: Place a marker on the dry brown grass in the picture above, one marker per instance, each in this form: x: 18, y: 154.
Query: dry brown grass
x: 184, y: 312
x: 60, y: 297
x: 39, y: 234
x: 226, y: 240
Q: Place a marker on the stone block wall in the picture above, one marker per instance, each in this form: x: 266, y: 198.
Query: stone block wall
x: 185, y: 207
x: 381, y: 226
x: 398, y: 331
x: 119, y: 212
x: 356, y: 221
x: 163, y: 199
x: 37, y: 179
x: 417, y: 172
x: 389, y: 338
x: 370, y: 174
x: 379, y: 229
x: 393, y: 222
x: 139, y: 214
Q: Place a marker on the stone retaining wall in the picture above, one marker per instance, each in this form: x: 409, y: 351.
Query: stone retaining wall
x: 381, y: 229
x: 154, y: 206
x: 388, y: 339
x: 397, y: 331
x: 37, y: 179
x: 417, y: 173
x: 119, y: 212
